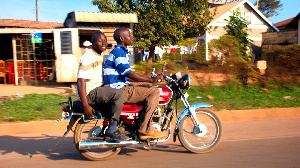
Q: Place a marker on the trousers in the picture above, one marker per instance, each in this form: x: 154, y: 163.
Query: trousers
x: 149, y: 94
x: 109, y: 99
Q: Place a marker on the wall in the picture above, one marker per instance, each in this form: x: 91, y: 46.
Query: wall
x: 279, y: 38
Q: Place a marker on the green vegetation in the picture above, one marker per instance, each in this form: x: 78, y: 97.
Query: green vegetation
x: 42, y: 106
x: 32, y: 107
x: 283, y: 60
x: 161, y: 23
x: 269, y: 7
x: 238, y: 98
x: 238, y: 27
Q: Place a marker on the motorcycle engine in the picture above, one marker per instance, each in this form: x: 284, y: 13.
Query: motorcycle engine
x: 156, y: 115
x: 155, y: 119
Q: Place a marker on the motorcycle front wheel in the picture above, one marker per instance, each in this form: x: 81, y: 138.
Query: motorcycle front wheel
x: 84, y: 131
x: 204, y: 139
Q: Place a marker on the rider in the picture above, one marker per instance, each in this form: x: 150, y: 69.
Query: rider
x: 116, y: 72
x: 90, y: 92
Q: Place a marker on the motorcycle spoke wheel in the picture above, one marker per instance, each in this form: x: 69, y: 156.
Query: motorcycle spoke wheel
x: 86, y: 131
x: 205, y: 139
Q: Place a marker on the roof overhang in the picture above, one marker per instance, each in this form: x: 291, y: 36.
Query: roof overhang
x: 101, y: 17
x: 21, y: 30
x: 254, y: 8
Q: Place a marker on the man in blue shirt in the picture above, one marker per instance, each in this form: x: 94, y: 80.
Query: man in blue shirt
x: 116, y: 73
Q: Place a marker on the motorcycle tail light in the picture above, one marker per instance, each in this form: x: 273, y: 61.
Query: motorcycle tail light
x: 65, y: 114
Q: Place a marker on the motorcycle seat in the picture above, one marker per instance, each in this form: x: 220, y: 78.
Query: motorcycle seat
x: 78, y: 107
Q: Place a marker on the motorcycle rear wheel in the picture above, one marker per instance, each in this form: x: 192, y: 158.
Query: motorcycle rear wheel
x: 205, y: 139
x: 85, y: 130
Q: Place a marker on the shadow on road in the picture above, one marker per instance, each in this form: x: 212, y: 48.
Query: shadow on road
x: 44, y: 144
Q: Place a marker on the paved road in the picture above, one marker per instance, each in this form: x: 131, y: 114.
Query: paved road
x: 254, y: 143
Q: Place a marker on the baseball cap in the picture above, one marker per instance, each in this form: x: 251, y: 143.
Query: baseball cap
x: 87, y: 43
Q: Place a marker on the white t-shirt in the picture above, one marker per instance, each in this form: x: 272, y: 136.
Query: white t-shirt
x: 90, y: 69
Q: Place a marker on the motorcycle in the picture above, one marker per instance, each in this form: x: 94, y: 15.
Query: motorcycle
x: 198, y: 128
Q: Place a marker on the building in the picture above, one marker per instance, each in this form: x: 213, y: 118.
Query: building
x: 258, y: 23
x: 26, y: 60
x: 57, y: 56
x: 289, y: 33
x: 78, y: 27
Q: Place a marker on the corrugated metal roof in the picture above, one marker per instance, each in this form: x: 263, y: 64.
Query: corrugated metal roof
x: 28, y: 24
x: 105, y: 17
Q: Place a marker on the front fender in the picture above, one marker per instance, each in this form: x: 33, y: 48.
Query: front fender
x: 200, y: 105
x: 185, y: 112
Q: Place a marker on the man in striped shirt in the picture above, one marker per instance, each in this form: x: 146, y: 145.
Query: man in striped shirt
x: 116, y: 73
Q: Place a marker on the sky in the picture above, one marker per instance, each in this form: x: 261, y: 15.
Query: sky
x: 57, y: 10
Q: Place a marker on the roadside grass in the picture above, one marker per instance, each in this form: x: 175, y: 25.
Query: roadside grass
x: 33, y: 107
x: 42, y: 106
x: 239, y: 98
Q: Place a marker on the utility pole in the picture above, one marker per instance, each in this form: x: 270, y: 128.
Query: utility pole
x: 37, y: 10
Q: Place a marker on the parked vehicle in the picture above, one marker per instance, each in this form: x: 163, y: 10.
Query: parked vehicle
x: 198, y: 129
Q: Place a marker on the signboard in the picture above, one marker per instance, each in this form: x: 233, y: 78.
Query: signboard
x: 36, y: 36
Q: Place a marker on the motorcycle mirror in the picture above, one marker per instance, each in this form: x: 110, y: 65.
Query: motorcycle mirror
x: 162, y: 72
x: 153, y: 72
x: 70, y: 102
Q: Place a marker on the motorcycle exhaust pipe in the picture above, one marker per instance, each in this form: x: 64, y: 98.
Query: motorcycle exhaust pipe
x: 96, y: 145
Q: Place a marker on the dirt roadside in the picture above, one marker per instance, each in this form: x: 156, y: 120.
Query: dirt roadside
x: 50, y: 126
x: 10, y: 90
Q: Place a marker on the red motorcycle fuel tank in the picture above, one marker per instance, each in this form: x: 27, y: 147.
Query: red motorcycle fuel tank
x: 130, y: 112
x: 165, y: 95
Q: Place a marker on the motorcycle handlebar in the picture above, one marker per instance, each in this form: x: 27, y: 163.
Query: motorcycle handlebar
x: 169, y: 78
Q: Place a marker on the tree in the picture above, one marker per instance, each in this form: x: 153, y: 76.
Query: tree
x: 162, y: 22
x: 237, y: 27
x: 228, y: 45
x: 269, y: 7
x: 239, y: 61
x: 188, y: 42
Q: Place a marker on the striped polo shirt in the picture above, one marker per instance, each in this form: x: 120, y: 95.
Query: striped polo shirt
x: 116, y: 68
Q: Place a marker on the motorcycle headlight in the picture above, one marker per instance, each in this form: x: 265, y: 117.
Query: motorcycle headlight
x: 184, y: 82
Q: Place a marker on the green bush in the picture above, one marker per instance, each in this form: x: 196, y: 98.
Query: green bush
x: 198, y: 57
x: 231, y: 61
x: 283, y: 59
x: 144, y: 68
x: 283, y: 66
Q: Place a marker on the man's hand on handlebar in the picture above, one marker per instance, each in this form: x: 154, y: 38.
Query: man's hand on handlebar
x: 158, y: 78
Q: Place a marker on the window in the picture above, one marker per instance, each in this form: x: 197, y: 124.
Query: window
x: 109, y: 46
x: 66, y: 42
